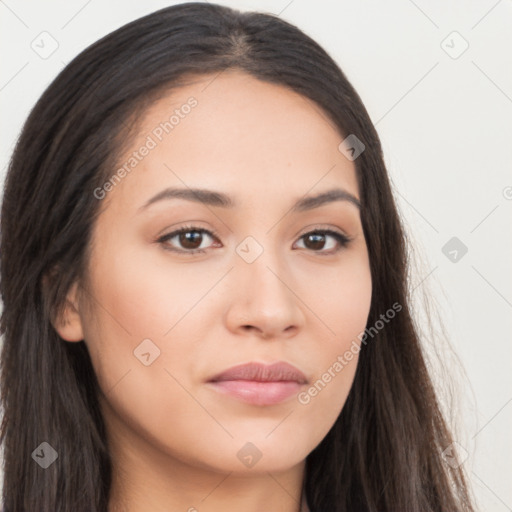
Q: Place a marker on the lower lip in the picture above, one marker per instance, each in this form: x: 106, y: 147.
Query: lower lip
x: 258, y: 393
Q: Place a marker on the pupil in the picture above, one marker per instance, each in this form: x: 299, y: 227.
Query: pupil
x: 318, y: 240
x: 189, y: 239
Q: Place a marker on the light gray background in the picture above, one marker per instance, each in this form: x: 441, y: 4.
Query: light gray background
x: 444, y: 119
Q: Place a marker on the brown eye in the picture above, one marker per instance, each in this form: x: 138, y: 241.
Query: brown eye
x: 190, y: 239
x: 317, y: 241
x: 187, y: 240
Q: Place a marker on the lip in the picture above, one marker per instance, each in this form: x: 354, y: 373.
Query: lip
x: 259, y: 384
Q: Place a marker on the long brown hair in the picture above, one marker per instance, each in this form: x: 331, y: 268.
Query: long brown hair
x: 383, y: 453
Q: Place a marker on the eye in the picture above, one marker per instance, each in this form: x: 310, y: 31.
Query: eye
x: 190, y: 239
x: 317, y: 240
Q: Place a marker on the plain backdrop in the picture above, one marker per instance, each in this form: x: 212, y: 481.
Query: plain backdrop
x: 436, y: 79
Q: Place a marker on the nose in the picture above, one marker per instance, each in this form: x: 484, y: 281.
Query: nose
x: 264, y: 302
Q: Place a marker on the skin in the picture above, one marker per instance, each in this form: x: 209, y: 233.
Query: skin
x: 174, y: 440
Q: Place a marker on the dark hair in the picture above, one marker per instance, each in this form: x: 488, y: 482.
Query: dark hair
x: 384, y: 451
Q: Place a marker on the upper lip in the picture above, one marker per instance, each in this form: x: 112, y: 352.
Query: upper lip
x: 260, y: 372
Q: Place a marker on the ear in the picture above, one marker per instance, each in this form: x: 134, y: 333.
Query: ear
x: 68, y: 322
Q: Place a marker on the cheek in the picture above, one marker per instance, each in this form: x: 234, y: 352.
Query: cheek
x: 147, y: 312
x: 138, y: 298
x: 340, y: 299
x: 342, y: 303
x: 141, y: 371
x: 146, y: 297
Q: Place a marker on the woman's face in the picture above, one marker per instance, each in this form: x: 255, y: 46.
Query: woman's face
x: 162, y: 320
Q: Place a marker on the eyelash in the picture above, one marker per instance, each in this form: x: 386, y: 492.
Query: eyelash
x: 342, y: 239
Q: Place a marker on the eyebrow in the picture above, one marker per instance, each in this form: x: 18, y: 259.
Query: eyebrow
x: 219, y: 199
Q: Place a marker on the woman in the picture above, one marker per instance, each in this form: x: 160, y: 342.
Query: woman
x: 204, y: 285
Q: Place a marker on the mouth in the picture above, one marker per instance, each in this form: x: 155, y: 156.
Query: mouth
x: 260, y: 384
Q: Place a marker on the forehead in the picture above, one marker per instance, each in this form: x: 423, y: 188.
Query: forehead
x: 235, y: 133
